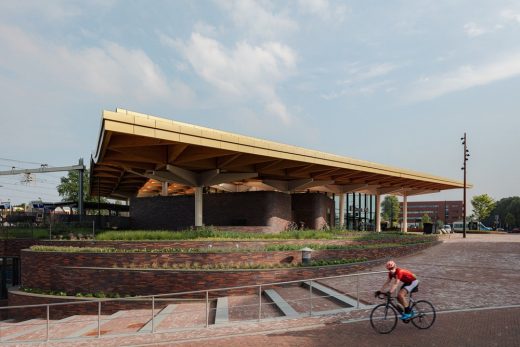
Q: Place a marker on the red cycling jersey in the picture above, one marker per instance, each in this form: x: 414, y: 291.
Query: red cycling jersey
x: 403, y: 275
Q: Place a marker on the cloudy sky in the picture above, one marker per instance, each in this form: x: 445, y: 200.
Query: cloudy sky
x: 394, y: 82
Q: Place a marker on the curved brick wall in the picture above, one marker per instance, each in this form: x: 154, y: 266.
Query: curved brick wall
x: 14, y: 247
x: 100, y: 272
x: 151, y: 280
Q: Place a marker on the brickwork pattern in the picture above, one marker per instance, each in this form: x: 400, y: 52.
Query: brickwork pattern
x: 274, y: 210
x: 102, y: 272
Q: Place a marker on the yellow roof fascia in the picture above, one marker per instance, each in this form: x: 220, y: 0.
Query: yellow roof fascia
x: 133, y: 123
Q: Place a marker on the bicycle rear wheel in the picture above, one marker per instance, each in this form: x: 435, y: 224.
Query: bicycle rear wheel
x: 383, y: 318
x: 424, y: 315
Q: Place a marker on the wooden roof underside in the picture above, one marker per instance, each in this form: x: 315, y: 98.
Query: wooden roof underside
x: 133, y: 147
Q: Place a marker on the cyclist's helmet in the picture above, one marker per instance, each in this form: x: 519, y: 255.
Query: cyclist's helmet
x: 390, y: 264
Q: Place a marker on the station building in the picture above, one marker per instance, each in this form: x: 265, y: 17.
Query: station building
x: 178, y: 175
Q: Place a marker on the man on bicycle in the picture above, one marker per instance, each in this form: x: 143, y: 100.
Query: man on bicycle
x: 400, y: 276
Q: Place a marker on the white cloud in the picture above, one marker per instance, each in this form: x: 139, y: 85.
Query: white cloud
x: 473, y: 30
x: 324, y: 10
x: 363, y: 80
x: 511, y: 15
x: 259, y: 19
x: 205, y: 29
x: 376, y: 71
x: 57, y: 10
x: 466, y: 77
x: 244, y: 71
x: 107, y: 70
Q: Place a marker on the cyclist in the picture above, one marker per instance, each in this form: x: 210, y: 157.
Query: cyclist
x: 400, y: 276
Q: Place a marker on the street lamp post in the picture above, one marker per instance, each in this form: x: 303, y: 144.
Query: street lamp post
x: 466, y: 155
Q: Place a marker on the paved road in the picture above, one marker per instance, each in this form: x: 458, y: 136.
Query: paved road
x: 477, y: 328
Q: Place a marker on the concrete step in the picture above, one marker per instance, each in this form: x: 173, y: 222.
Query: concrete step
x: 11, y: 331
x: 123, y: 322
x: 222, y: 311
x: 187, y: 314
x: 280, y: 302
x: 93, y: 325
x: 333, y: 294
x: 247, y: 307
x: 57, y: 328
x: 305, y: 301
x: 158, y: 319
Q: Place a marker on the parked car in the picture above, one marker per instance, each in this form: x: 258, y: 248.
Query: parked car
x: 448, y: 229
x: 515, y: 230
x: 500, y: 229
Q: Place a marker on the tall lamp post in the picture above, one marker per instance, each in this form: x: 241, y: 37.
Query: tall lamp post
x: 466, y: 155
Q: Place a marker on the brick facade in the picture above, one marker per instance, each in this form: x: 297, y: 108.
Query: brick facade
x: 273, y: 210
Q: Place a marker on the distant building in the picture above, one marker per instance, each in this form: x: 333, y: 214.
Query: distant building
x: 445, y: 211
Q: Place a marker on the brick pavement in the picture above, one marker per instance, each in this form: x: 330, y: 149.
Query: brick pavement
x: 480, y: 271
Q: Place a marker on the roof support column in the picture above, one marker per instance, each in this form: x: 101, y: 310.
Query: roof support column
x: 198, y: 207
x: 164, y: 191
x: 378, y: 213
x: 342, y: 210
x: 404, y: 225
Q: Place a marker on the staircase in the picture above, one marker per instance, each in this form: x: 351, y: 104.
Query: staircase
x: 276, y: 302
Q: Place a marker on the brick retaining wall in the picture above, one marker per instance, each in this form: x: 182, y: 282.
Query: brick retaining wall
x: 97, y: 272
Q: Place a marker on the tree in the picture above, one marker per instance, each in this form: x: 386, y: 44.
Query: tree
x: 502, y: 209
x: 69, y: 187
x: 390, y: 209
x: 426, y: 218
x: 483, y: 205
x: 510, y: 221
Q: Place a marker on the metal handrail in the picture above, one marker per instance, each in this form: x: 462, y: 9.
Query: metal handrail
x: 155, y: 296
x: 172, y: 296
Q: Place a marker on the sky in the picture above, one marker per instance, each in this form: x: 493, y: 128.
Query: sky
x: 392, y: 82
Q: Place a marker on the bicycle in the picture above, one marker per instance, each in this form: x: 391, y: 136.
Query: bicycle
x: 383, y: 317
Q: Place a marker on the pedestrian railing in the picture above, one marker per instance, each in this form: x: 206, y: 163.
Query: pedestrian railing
x: 188, y: 310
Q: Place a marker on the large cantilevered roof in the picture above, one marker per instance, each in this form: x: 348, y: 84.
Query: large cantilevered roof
x: 136, y: 153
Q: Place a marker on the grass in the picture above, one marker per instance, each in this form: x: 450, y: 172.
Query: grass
x: 24, y: 233
x: 269, y: 248
x: 213, y: 234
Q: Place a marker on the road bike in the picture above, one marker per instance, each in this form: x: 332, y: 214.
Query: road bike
x: 384, y: 317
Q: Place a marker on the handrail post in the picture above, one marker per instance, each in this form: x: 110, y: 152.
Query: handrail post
x: 260, y: 303
x: 153, y: 313
x: 207, y: 308
x: 48, y: 322
x: 99, y: 319
x: 310, y: 298
x: 357, y: 290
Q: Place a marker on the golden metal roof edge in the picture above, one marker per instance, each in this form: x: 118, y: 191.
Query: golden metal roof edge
x: 132, y: 118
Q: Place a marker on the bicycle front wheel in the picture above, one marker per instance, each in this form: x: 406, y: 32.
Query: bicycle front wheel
x: 383, y: 318
x: 424, y: 314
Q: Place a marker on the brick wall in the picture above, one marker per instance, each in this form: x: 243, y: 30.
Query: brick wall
x: 12, y: 247
x: 97, y: 272
x: 273, y: 209
x: 313, y: 209
x: 177, y: 212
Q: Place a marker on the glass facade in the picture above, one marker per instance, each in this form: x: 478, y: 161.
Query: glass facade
x: 360, y: 211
